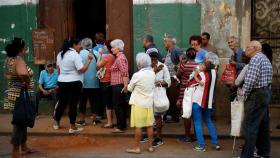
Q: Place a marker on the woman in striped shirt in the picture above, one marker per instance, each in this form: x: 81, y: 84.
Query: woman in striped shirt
x: 184, y: 71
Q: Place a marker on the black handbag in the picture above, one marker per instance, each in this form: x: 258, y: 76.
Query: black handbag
x: 24, y: 113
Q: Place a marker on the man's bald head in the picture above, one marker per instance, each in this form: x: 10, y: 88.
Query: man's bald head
x: 253, y: 48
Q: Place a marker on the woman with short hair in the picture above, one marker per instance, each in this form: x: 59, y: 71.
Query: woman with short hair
x: 70, y: 82
x: 119, y: 82
x: 142, y: 87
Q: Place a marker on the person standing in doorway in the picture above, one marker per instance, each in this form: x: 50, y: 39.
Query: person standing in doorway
x: 205, y: 36
x: 90, y: 91
x: 171, y: 61
x: 99, y: 41
x: 257, y: 94
x: 70, y: 82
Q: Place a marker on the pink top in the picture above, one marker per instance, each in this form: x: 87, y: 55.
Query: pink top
x: 119, y: 69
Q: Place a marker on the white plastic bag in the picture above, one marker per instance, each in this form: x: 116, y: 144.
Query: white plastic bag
x: 237, y: 116
x: 161, y: 102
x: 187, y: 102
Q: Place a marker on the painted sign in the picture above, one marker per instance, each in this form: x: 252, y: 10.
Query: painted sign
x: 43, y: 45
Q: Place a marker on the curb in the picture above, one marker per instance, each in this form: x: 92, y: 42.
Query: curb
x: 118, y: 135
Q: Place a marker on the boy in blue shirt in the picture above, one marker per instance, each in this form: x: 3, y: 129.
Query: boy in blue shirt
x: 47, y: 84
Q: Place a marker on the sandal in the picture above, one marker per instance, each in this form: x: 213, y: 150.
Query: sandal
x: 108, y: 126
x: 133, y: 151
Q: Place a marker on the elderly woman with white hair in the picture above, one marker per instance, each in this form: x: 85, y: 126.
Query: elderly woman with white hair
x: 142, y: 87
x: 90, y: 89
x: 119, y: 82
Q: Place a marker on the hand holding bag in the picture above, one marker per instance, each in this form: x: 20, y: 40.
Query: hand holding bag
x: 24, y: 113
x: 161, y: 102
x: 187, y: 102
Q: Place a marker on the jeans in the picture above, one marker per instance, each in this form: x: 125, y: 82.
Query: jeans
x: 40, y: 95
x: 197, y: 114
x: 256, y: 123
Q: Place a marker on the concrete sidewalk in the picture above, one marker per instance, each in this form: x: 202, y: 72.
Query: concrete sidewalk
x: 43, y: 126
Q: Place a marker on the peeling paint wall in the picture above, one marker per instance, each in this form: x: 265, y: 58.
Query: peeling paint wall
x: 224, y: 18
x: 18, y: 18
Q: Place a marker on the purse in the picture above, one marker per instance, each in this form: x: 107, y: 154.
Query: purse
x: 24, y: 113
x: 237, y: 116
x: 161, y: 102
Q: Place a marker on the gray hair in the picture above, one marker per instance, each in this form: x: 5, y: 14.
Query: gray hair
x: 235, y: 38
x: 118, y: 43
x: 213, y: 58
x: 143, y: 60
x: 172, y: 38
x: 149, y: 38
x: 86, y: 43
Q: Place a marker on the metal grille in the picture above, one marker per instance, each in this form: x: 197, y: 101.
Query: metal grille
x: 266, y: 28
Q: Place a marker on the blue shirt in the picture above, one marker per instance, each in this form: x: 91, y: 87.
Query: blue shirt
x: 90, y: 79
x: 200, y: 56
x: 99, y: 46
x: 48, y: 80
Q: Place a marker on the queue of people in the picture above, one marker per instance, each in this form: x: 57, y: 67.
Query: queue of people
x: 100, y: 75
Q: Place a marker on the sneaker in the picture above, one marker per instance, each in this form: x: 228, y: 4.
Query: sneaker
x: 199, y: 148
x: 144, y: 139
x: 56, y: 125
x: 185, y: 139
x: 95, y: 122
x: 157, y: 142
x: 81, y: 123
x: 217, y: 147
x: 76, y: 130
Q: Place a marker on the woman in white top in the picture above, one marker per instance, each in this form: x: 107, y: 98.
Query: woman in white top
x: 70, y: 68
x: 142, y: 87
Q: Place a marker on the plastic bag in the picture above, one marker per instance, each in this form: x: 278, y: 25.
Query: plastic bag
x: 229, y: 75
x: 161, y: 102
x: 237, y: 116
x: 187, y: 102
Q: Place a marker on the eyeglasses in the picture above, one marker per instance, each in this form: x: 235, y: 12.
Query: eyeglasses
x: 50, y: 65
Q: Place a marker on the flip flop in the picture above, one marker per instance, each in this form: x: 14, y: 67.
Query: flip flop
x: 107, y: 126
x: 133, y: 151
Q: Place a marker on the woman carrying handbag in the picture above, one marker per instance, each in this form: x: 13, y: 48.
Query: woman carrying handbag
x: 20, y: 83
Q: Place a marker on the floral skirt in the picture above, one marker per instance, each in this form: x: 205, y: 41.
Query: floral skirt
x: 141, y: 117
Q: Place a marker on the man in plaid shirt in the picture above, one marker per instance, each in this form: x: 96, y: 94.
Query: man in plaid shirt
x: 257, y: 94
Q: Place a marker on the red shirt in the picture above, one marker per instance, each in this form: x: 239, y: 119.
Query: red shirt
x: 119, y: 69
x: 109, y: 59
x: 186, y: 69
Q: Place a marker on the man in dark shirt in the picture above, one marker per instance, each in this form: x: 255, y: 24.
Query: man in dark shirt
x: 149, y: 46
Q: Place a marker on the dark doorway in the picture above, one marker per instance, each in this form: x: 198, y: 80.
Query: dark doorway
x: 90, y: 17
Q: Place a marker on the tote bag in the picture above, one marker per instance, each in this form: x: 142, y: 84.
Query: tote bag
x: 187, y: 102
x: 237, y: 116
x: 24, y: 113
x: 161, y: 102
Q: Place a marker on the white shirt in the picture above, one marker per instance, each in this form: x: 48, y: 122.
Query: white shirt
x: 142, y: 86
x: 163, y: 75
x: 69, y: 66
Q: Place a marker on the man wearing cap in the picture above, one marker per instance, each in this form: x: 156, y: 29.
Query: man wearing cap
x: 47, y: 84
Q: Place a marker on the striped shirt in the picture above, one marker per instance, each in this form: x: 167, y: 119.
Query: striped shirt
x: 119, y: 69
x: 258, y: 75
x: 185, y: 70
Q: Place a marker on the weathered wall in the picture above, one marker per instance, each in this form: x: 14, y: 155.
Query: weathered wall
x: 159, y: 18
x: 18, y: 18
